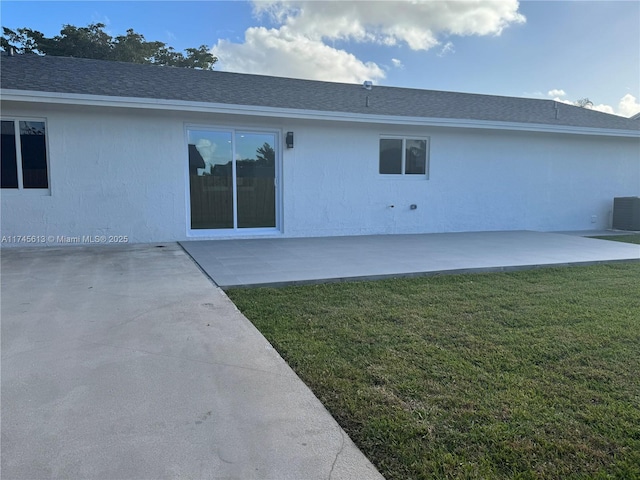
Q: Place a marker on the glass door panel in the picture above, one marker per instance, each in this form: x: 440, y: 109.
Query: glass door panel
x: 255, y: 179
x: 211, y: 179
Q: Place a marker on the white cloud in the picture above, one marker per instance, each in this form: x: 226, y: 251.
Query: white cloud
x: 416, y: 23
x: 297, y: 47
x: 563, y: 100
x: 397, y: 63
x: 628, y: 106
x: 279, y: 52
x: 602, y: 108
x: 446, y: 49
x: 557, y: 94
x: 207, y: 150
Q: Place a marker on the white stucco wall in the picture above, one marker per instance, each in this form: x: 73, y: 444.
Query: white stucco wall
x: 479, y: 180
x: 122, y: 172
x: 109, y: 174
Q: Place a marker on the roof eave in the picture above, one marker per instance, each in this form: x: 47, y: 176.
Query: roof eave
x: 28, y: 96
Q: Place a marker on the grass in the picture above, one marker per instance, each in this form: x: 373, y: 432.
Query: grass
x: 531, y: 374
x: 631, y: 238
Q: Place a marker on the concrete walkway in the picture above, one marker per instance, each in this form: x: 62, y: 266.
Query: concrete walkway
x: 282, y: 261
x: 128, y: 363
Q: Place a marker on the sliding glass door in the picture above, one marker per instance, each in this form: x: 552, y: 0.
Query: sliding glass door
x: 211, y: 179
x: 232, y: 178
x: 255, y: 180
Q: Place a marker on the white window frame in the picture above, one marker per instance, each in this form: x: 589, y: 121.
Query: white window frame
x: 16, y: 129
x: 235, y: 231
x: 403, y: 174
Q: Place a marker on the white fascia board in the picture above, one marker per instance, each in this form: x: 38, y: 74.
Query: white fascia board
x: 255, y: 110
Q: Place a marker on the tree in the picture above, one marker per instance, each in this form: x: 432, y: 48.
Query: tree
x: 266, y: 155
x: 583, y: 103
x: 93, y: 42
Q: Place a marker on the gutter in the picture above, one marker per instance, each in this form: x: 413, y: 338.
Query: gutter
x: 259, y: 111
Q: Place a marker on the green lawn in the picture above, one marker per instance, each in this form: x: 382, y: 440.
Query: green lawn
x: 631, y: 238
x: 530, y: 374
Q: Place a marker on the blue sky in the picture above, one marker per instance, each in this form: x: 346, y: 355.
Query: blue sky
x: 545, y: 49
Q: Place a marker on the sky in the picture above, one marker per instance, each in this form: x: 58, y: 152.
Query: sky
x: 563, y: 50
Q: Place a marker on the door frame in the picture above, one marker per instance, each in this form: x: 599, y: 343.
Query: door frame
x: 235, y: 231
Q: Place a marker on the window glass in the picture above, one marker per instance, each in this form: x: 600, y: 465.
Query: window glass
x: 210, y: 179
x: 232, y: 179
x: 34, y: 155
x: 416, y: 157
x: 255, y: 174
x: 390, y: 155
x: 404, y: 156
x: 9, y: 173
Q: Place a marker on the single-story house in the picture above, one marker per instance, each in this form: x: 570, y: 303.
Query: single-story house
x: 98, y: 149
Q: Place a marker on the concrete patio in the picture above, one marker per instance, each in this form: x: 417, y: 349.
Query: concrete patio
x: 283, y: 261
x: 126, y: 362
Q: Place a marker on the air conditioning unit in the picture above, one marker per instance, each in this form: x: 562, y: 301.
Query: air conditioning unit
x: 626, y: 213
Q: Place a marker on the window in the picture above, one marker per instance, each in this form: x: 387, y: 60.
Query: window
x: 232, y: 179
x: 404, y: 156
x: 24, y: 155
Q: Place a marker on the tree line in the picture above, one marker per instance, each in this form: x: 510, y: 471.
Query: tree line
x: 93, y: 42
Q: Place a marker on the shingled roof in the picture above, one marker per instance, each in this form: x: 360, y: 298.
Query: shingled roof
x: 64, y: 75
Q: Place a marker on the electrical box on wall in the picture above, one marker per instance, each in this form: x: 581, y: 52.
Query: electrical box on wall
x: 626, y: 213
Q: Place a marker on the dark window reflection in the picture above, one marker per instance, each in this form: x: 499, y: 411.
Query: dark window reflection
x: 9, y: 173
x: 34, y: 155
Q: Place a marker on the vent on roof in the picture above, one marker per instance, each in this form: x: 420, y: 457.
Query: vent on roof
x: 367, y: 84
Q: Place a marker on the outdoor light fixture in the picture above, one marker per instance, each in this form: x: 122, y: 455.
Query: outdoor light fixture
x: 289, y: 140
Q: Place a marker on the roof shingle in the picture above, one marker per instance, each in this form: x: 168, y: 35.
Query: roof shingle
x: 117, y: 79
